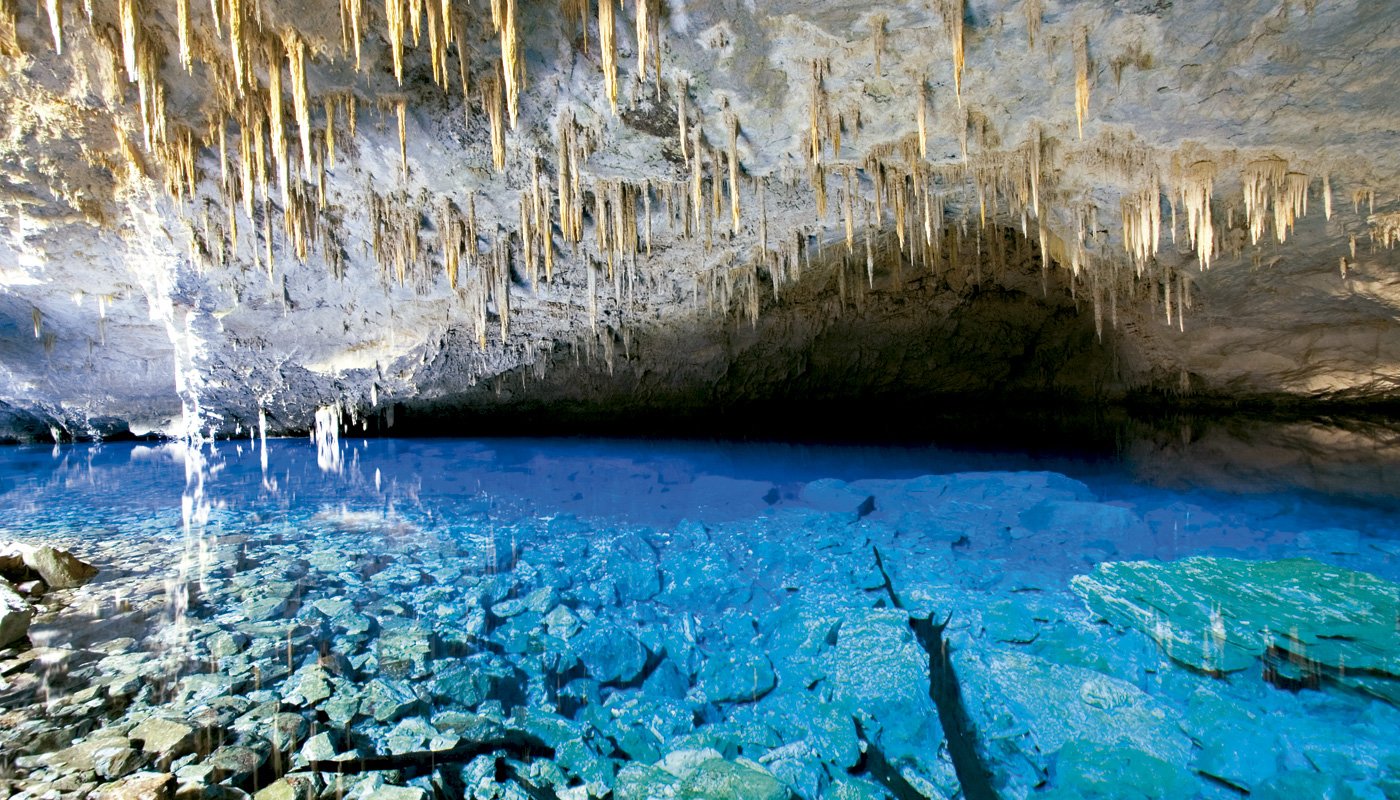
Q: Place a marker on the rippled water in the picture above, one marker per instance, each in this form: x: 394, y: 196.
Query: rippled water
x: 591, y: 618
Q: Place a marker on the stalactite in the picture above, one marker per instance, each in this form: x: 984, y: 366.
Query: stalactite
x: 185, y: 33
x: 491, y: 99
x: 54, y: 8
x: 921, y: 118
x: 9, y: 32
x: 437, y: 44
x: 1081, y: 78
x: 130, y: 15
x: 394, y: 18
x: 1197, y: 184
x: 847, y: 207
x: 817, y: 114
x: 877, y: 29
x: 330, y: 132
x: 607, y: 43
x: 401, y: 114
x: 1142, y: 224
x: 1327, y: 196
x: 503, y: 17
x: 1271, y: 192
x: 732, y: 124
x: 681, y: 118
x: 274, y: 115
x: 648, y: 14
x: 1385, y: 230
x: 301, y: 101
x: 1035, y: 13
x: 697, y: 203
x: 1366, y: 194
x: 952, y: 12
x: 351, y: 14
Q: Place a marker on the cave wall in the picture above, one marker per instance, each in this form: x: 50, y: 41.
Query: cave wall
x: 1078, y: 145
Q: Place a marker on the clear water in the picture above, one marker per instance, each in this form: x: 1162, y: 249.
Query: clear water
x: 579, y: 618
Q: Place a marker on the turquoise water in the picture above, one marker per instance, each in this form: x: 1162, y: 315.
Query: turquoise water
x: 592, y: 618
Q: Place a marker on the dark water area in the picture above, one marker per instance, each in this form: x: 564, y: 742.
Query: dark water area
x: 1205, y: 609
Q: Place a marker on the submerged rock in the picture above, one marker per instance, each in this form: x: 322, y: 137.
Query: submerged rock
x: 737, y: 677
x: 1222, y: 615
x: 1085, y: 770
x: 58, y: 569
x: 698, y: 775
x: 15, y: 615
x: 141, y: 786
x: 1029, y: 712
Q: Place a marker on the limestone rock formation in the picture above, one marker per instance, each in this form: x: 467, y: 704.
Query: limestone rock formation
x: 223, y: 217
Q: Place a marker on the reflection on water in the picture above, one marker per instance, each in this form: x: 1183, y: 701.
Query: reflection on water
x: 585, y: 618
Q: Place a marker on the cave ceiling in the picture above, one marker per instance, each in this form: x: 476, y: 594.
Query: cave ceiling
x: 213, y: 213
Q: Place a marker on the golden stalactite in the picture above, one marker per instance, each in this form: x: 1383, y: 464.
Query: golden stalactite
x: 817, y: 113
x: 731, y: 123
x: 878, y: 24
x: 952, y: 12
x: 247, y: 185
x: 921, y: 119
x: 415, y: 20
x: 577, y: 13
x: 222, y: 134
x: 130, y: 13
x: 301, y: 100
x: 1262, y: 180
x: 463, y: 75
x: 503, y: 19
x: 54, y: 9
x: 1142, y: 224
x: 492, y: 101
x: 272, y: 50
x: 1081, y: 77
x: 648, y: 43
x: 1035, y: 15
x: 352, y: 14
x: 238, y: 46
x: 395, y: 20
x: 1327, y: 196
x: 437, y: 45
x: 184, y: 28
x: 848, y: 209
x: 563, y: 165
x: 329, y: 105
x: 1197, y: 184
x: 697, y: 170
x: 9, y: 28
x: 682, y: 118
x: 607, y: 43
x: 401, y: 115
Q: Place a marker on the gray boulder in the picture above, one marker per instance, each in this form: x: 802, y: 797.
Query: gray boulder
x: 58, y: 569
x: 15, y: 615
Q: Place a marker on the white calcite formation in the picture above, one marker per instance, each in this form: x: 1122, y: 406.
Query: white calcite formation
x: 215, y: 213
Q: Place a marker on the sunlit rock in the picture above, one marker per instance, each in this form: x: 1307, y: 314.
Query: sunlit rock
x: 15, y: 614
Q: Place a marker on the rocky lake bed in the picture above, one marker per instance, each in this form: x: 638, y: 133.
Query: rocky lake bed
x: 988, y: 634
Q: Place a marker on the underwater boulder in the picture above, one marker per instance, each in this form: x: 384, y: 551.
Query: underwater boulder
x: 611, y: 654
x: 15, y: 615
x: 1308, y: 620
x: 58, y: 569
x: 1028, y: 709
x: 737, y: 676
x: 1087, y: 770
x: 702, y: 774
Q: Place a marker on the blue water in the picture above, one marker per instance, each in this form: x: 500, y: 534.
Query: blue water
x: 677, y: 618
